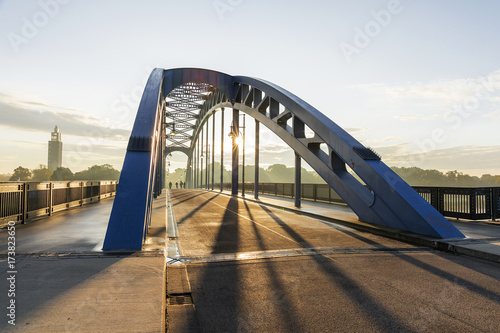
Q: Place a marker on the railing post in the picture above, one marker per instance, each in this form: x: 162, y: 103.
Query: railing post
x: 440, y: 200
x: 81, y: 194
x: 495, y: 209
x: 50, y: 199
x: 472, y: 203
x: 68, y: 194
x: 25, y: 203
x: 99, y: 191
x: 493, y: 205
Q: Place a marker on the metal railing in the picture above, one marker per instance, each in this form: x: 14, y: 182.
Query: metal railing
x: 22, y: 201
x: 472, y: 203
x: 315, y: 192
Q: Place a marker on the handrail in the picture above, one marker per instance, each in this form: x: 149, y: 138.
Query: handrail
x: 472, y: 203
x: 22, y: 201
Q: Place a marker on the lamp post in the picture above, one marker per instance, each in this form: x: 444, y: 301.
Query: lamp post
x: 235, y: 152
x: 201, y: 169
x: 235, y: 134
x: 207, y: 161
x: 243, y: 161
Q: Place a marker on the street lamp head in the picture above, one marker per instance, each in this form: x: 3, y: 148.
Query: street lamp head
x: 239, y: 140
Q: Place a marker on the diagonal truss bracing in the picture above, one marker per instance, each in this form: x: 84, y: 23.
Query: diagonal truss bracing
x: 182, y: 108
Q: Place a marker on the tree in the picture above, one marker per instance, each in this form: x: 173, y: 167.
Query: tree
x: 62, y: 174
x: 21, y: 174
x: 179, y: 175
x: 5, y: 177
x: 279, y: 173
x: 98, y: 172
x: 41, y: 174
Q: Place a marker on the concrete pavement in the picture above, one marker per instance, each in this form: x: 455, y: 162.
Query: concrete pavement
x: 64, y: 283
x: 254, y: 268
x: 482, y: 237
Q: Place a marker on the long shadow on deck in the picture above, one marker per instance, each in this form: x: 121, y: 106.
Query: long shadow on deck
x: 221, y: 313
x: 372, y: 309
x: 280, y: 298
x: 471, y: 286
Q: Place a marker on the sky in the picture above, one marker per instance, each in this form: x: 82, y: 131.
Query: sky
x: 418, y: 81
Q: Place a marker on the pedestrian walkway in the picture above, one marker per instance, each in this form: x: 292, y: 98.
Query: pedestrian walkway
x: 65, y: 283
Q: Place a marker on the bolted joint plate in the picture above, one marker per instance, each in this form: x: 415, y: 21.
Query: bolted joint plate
x: 139, y: 143
x: 366, y: 153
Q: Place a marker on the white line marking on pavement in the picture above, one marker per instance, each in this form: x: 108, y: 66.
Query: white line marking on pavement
x: 263, y: 226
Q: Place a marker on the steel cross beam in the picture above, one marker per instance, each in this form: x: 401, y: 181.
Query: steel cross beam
x: 176, y: 93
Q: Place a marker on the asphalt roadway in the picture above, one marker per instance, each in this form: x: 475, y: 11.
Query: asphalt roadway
x: 251, y: 268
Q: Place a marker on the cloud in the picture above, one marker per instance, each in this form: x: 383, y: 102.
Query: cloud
x: 275, y: 149
x: 386, y: 139
x: 406, y: 117
x: 87, y: 139
x: 79, y: 157
x: 34, y: 116
x: 355, y: 129
x: 448, y: 94
x: 493, y: 115
x: 453, y: 158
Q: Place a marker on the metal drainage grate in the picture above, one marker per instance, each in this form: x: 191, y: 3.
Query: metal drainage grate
x: 179, y: 299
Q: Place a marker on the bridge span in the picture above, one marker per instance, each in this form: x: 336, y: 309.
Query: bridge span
x: 192, y: 260
x: 234, y: 265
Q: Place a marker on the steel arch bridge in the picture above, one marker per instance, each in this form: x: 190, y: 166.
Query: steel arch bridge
x: 178, y: 103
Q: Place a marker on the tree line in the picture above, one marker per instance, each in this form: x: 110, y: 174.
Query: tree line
x: 276, y: 173
x: 42, y: 173
x: 280, y: 173
x: 430, y: 177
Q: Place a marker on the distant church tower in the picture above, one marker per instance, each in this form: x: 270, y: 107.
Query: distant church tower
x: 55, y: 150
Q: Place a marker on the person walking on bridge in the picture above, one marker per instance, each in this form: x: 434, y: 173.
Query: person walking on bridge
x: 176, y: 185
x: 170, y: 185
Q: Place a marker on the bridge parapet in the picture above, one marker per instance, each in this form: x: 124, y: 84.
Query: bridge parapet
x: 471, y: 203
x: 22, y: 201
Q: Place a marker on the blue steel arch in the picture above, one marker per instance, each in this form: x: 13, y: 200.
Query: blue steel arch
x: 389, y: 202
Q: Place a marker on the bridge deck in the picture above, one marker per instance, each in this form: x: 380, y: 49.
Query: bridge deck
x: 252, y: 268
x: 247, y: 267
